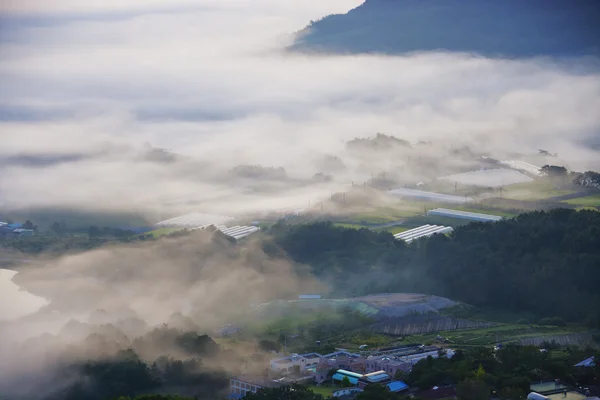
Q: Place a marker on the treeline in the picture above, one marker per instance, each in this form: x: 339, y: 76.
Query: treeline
x: 125, y: 371
x: 546, y: 263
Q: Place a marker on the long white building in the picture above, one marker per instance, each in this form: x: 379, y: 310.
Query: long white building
x: 444, y: 212
x: 422, y: 231
x: 430, y: 196
x: 522, y: 166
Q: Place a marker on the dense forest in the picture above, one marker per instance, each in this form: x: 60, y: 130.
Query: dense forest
x: 545, y: 263
x: 113, y: 368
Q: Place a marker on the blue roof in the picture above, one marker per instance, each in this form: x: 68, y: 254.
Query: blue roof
x: 377, y: 377
x: 349, y: 373
x: 340, y: 377
x: 397, y: 386
x: 235, y: 396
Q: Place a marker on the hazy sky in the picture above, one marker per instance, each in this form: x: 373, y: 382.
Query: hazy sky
x: 209, y: 78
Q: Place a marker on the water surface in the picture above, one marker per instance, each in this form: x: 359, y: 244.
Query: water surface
x: 14, y: 302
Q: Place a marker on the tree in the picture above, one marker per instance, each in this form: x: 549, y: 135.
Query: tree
x: 284, y: 393
x: 346, y: 382
x: 28, y: 225
x: 473, y: 390
x: 400, y: 375
x: 554, y: 171
x: 512, y: 393
x: 93, y: 231
x: 377, y: 392
x: 480, y: 373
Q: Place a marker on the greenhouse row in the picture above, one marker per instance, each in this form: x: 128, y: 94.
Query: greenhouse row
x: 444, y: 212
x: 194, y: 221
x: 422, y: 231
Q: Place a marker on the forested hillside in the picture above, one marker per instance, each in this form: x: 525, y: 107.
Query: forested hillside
x: 491, y: 28
x: 546, y: 263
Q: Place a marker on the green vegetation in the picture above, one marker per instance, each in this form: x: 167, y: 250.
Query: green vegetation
x: 586, y: 201
x: 156, y: 233
x: 539, y: 189
x: 396, y: 229
x: 323, y: 390
x: 505, y: 333
x: 124, y: 373
x: 553, y: 255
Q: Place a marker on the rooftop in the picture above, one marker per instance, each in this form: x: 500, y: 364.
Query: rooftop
x: 258, y: 381
x: 547, y: 387
x: 588, y: 362
x: 397, y: 386
x: 378, y: 376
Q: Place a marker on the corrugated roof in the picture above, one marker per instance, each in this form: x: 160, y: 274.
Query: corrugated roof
x: 397, y: 386
x: 340, y: 377
x: 422, y: 231
x: 377, y: 376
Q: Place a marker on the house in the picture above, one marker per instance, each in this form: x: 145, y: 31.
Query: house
x: 389, y: 364
x: 374, y: 377
x: 240, y: 386
x: 20, y: 232
x: 302, y: 361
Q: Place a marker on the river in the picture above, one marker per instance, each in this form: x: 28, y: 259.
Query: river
x: 14, y: 302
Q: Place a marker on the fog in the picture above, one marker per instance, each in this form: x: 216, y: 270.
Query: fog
x: 88, y: 85
x: 91, y: 91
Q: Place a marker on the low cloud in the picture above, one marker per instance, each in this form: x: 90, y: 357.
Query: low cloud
x: 90, y: 84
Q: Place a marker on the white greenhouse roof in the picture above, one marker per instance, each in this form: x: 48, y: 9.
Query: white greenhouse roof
x: 238, y: 232
x: 522, y: 166
x: 194, y: 221
x: 489, y: 177
x: 420, y: 194
x: 422, y: 231
x: 444, y: 212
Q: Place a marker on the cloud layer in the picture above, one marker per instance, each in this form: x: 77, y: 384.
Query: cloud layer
x: 208, y: 79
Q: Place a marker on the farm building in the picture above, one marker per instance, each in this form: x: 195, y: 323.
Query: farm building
x: 429, y: 196
x: 422, y: 231
x: 489, y: 178
x: 444, y: 212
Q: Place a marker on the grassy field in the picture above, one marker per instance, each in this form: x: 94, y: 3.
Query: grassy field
x: 324, y: 390
x: 539, y: 189
x: 161, y: 232
x: 490, y: 336
x: 396, y: 229
x: 587, y: 201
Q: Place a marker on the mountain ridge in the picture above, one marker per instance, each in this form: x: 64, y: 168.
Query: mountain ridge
x: 507, y: 28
